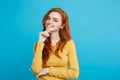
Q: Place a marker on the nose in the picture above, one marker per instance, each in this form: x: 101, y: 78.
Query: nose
x: 49, y: 21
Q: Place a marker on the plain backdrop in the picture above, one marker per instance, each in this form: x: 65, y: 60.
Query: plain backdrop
x: 94, y: 26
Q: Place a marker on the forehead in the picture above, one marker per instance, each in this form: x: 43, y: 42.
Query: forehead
x: 55, y: 15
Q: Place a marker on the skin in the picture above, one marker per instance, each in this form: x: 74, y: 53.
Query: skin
x: 54, y: 22
x: 53, y: 25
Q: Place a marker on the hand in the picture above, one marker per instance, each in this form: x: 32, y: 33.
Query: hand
x: 43, y: 35
x: 43, y: 72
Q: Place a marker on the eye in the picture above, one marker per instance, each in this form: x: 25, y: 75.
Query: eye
x: 55, y: 21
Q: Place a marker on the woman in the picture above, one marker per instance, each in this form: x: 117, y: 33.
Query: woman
x: 54, y: 54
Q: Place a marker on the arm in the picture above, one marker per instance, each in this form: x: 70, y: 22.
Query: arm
x: 36, y: 66
x: 73, y: 70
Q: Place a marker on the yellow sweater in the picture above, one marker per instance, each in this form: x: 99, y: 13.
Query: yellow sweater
x: 59, y: 69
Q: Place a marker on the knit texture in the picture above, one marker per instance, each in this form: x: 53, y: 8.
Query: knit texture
x: 59, y: 68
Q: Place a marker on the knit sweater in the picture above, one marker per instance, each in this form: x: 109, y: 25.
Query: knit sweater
x: 59, y: 68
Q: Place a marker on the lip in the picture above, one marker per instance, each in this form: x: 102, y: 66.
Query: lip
x: 49, y: 25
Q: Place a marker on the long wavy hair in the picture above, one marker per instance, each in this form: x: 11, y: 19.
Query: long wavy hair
x: 64, y: 35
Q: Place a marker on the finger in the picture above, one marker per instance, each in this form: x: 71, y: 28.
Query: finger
x: 48, y: 31
x: 37, y: 75
x: 47, y: 34
x: 43, y: 34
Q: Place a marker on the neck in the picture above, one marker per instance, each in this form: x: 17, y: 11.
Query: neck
x: 55, y: 37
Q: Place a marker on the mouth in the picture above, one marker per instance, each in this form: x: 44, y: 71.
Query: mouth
x: 49, y: 26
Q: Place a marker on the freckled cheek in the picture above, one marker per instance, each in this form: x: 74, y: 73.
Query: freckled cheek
x: 46, y: 22
x: 58, y: 25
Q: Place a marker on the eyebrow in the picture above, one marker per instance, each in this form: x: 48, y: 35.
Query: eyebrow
x: 54, y: 18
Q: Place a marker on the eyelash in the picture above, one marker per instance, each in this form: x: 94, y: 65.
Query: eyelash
x: 53, y: 20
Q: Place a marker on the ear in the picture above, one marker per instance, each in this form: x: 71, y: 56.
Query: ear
x: 62, y: 26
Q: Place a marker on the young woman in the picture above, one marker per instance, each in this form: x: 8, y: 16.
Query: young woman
x: 55, y: 54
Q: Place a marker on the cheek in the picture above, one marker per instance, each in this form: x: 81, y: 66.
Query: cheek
x: 58, y: 24
x: 46, y: 23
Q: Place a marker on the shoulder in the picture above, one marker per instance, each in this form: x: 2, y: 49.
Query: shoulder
x: 70, y: 43
x: 70, y: 46
x: 40, y: 44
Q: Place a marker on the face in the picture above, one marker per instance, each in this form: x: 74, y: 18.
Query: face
x: 53, y: 22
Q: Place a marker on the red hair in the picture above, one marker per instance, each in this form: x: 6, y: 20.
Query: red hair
x: 64, y: 35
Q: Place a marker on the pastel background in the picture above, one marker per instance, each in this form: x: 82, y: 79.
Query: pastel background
x: 94, y: 26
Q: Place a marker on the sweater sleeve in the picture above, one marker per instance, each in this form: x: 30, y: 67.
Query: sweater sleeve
x: 73, y: 70
x: 36, y: 66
